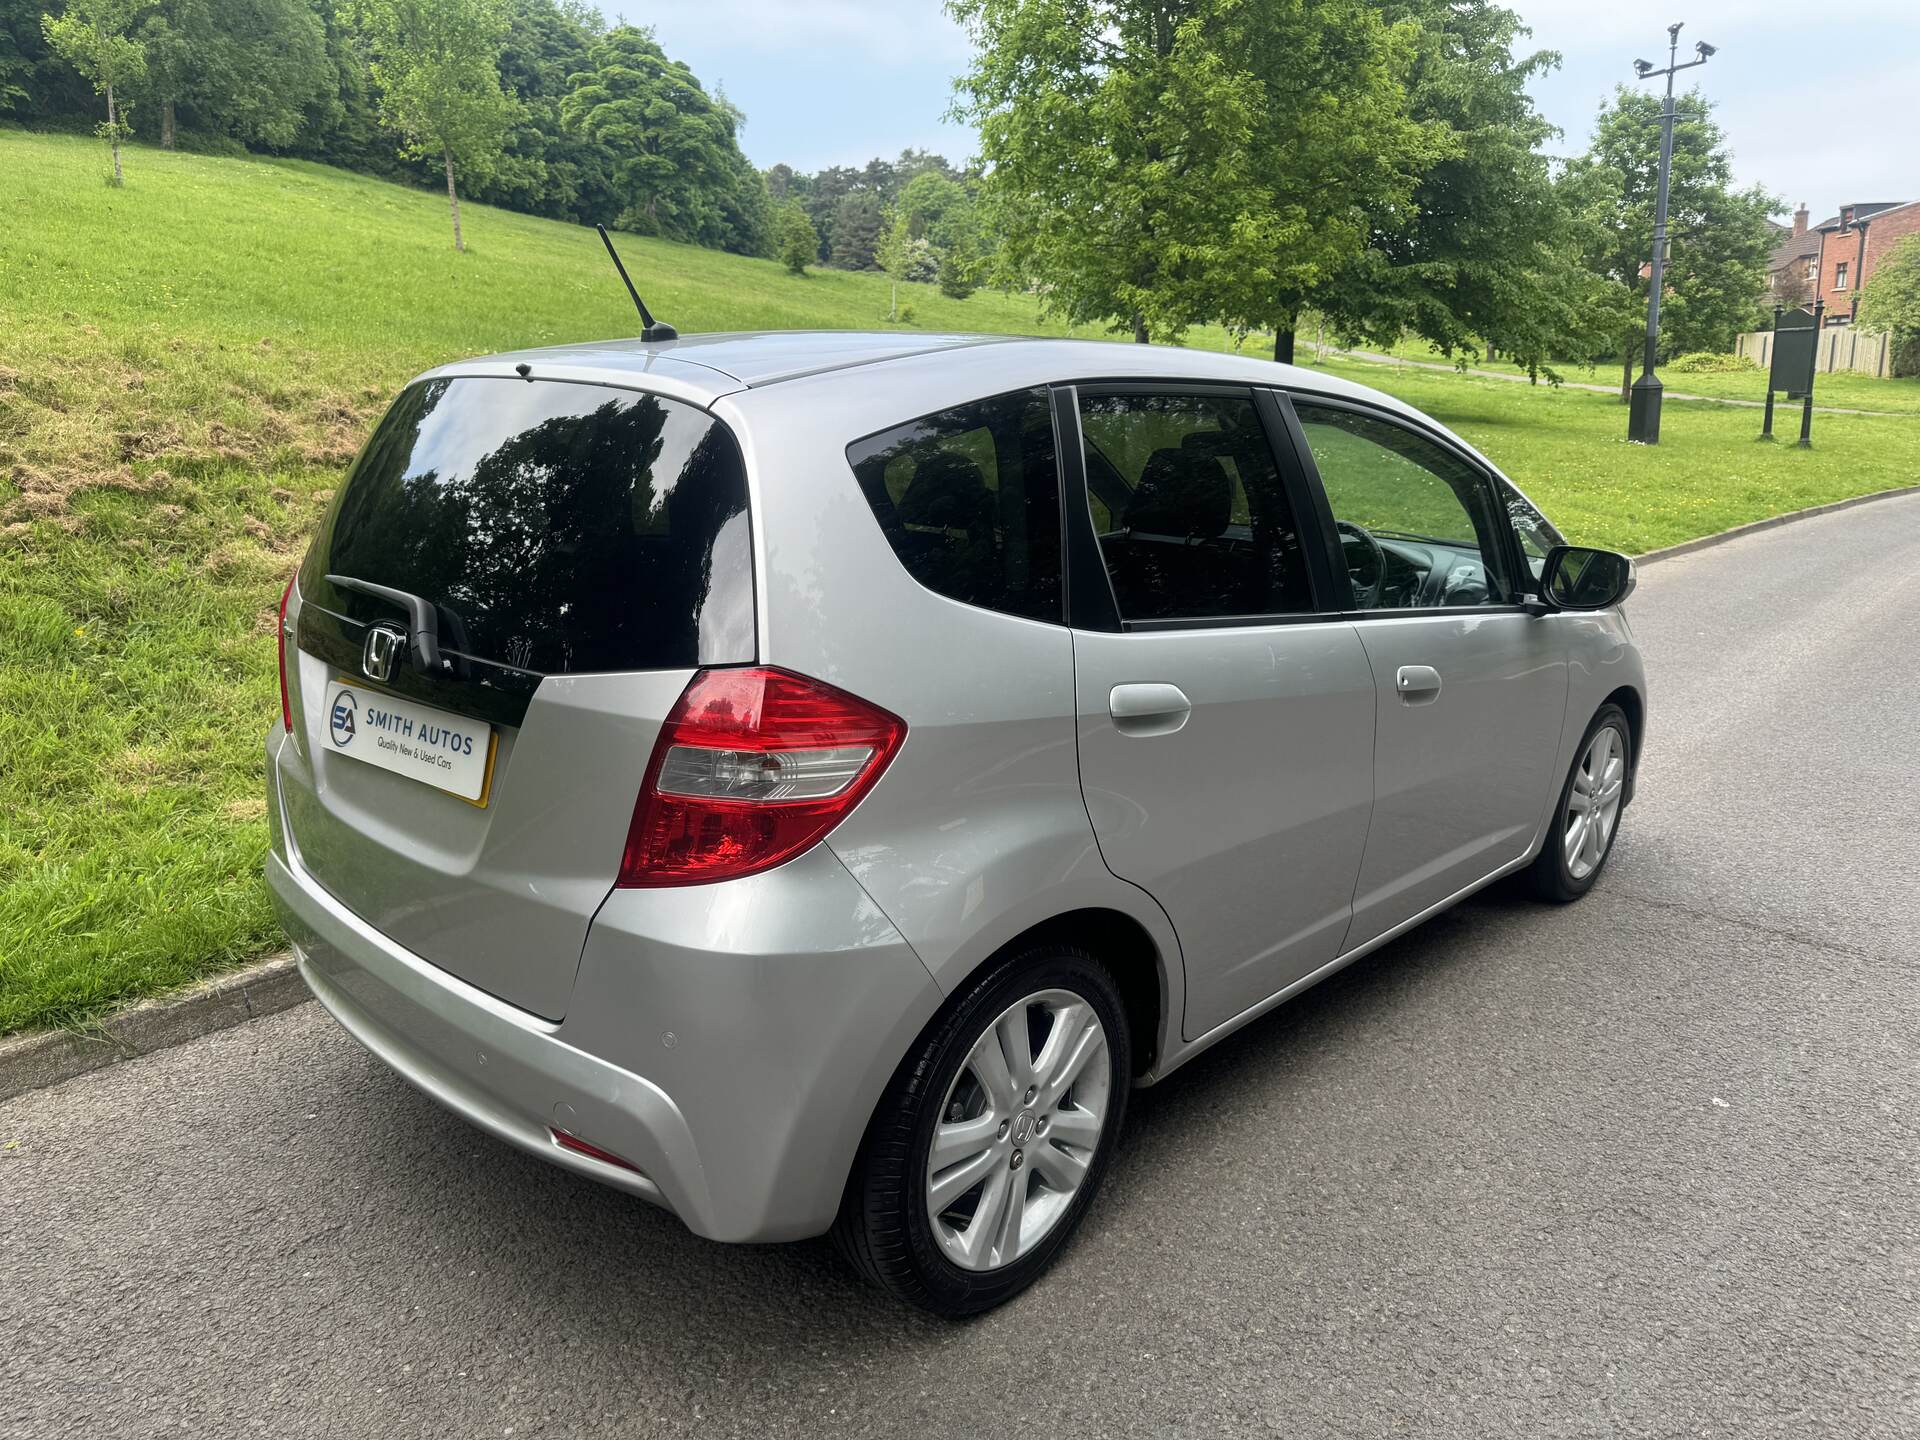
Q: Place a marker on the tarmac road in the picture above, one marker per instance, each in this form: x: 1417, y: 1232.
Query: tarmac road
x: 1647, y: 1165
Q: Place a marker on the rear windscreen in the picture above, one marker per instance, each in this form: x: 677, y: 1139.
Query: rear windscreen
x: 557, y: 527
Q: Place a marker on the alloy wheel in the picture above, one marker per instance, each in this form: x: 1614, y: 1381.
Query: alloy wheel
x: 1017, y: 1130
x: 1593, y: 802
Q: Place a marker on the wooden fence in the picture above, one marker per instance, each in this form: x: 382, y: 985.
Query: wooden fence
x: 1841, y: 348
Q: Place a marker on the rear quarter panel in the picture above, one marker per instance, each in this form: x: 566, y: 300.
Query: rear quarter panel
x: 978, y: 830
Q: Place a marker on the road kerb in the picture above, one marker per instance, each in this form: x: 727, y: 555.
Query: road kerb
x: 47, y: 1057
x: 1707, y: 542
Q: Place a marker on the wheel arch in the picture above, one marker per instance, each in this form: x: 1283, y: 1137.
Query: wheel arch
x: 1634, y: 706
x: 1125, y: 945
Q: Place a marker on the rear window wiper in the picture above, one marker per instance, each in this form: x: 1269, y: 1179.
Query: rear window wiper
x: 423, y: 620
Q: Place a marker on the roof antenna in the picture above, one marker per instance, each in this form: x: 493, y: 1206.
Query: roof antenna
x: 654, y: 329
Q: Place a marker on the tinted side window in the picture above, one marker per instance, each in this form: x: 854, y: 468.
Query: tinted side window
x: 970, y: 501
x: 1417, y: 523
x: 1188, y: 504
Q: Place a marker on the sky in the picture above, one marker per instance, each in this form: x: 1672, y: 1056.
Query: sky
x: 836, y: 82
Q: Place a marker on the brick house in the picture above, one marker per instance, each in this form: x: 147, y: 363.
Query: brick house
x: 1852, y: 245
x: 1793, y: 270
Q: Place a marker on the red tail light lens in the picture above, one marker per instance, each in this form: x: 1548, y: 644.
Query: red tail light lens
x: 751, y: 768
x: 286, y: 700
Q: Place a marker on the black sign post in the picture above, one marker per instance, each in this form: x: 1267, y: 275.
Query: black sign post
x: 1796, y: 349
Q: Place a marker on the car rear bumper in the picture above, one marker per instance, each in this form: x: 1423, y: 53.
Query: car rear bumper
x: 728, y: 1041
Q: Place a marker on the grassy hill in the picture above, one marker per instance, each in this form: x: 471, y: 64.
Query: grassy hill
x: 187, y: 365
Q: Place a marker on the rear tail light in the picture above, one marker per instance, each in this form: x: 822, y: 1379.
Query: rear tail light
x: 286, y: 700
x: 751, y: 768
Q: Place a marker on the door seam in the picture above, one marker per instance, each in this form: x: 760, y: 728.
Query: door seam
x: 1373, y: 788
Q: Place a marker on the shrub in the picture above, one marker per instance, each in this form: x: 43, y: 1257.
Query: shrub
x: 1705, y: 362
x: 796, y: 241
x: 1891, y: 302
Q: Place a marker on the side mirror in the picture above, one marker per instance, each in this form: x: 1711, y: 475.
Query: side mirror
x: 1576, y: 578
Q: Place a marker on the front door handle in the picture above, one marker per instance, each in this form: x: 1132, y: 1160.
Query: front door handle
x: 1417, y: 684
x: 1148, y: 709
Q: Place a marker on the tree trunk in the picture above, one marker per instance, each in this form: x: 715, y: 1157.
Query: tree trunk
x: 453, y: 201
x: 1283, y: 344
x: 166, y: 124
x: 1626, y: 379
x: 1139, y: 328
x: 113, y: 136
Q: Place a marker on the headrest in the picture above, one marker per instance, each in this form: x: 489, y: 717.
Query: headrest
x: 1184, y: 492
x: 947, y: 492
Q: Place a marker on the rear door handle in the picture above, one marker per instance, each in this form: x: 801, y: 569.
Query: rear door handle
x: 1148, y: 709
x: 1417, y: 683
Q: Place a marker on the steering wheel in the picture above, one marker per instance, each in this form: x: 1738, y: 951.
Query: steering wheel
x: 1364, y: 597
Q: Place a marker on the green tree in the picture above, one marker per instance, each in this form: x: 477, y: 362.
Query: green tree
x: 933, y: 231
x: 248, y: 69
x: 16, y: 66
x: 93, y: 37
x: 1720, y: 238
x: 1486, y: 251
x: 1155, y: 163
x: 676, y: 161
x: 859, y: 223
x: 437, y: 64
x: 1890, y: 302
x: 799, y: 244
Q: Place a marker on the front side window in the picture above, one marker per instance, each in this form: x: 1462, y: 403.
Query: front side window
x: 1188, y: 505
x: 970, y: 501
x: 1840, y: 276
x: 1417, y: 524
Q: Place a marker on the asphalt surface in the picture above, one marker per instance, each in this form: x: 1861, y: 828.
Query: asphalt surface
x: 1647, y: 1165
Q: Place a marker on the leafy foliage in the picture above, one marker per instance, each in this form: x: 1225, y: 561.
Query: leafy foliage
x: 854, y: 239
x: 92, y: 37
x: 798, y: 244
x: 1156, y: 163
x: 1890, y: 301
x: 677, y: 164
x: 1486, y: 252
x: 1720, y: 238
x: 1707, y: 362
x: 250, y: 70
x: 437, y: 65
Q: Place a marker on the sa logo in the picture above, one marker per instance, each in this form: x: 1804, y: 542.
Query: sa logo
x: 343, y: 723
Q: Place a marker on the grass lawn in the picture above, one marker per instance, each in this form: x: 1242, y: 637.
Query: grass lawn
x: 188, y: 364
x: 1843, y: 388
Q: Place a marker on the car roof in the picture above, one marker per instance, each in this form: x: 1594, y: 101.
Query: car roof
x: 702, y: 368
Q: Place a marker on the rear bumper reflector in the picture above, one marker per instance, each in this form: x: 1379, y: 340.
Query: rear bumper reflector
x: 592, y: 1152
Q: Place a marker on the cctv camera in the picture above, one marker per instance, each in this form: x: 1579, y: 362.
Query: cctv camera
x: 1704, y: 49
x: 1641, y: 67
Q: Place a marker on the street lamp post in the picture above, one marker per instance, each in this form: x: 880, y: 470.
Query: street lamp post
x: 1643, y: 417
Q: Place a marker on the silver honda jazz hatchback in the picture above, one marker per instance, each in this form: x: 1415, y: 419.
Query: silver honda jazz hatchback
x: 806, y: 781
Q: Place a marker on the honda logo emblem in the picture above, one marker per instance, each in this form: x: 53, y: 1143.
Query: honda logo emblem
x: 385, y: 644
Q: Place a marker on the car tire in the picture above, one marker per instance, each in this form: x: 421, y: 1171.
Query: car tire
x: 1039, y: 1148
x: 1564, y: 870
